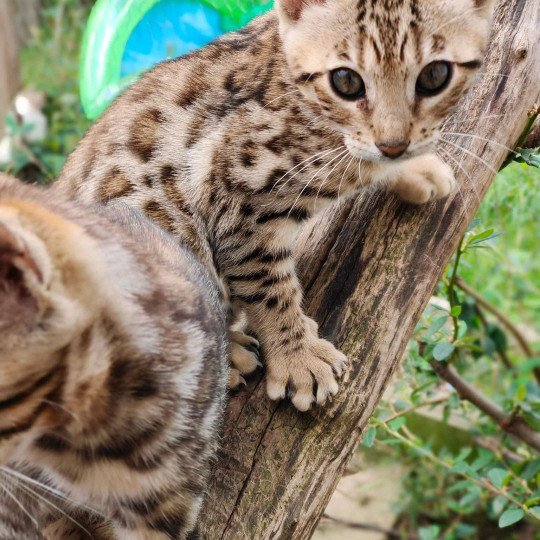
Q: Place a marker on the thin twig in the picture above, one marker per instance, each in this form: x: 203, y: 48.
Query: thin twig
x: 512, y: 424
x: 501, y: 354
x: 452, y: 287
x: 503, y: 319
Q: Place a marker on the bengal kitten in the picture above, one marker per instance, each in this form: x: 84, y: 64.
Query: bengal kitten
x: 233, y: 147
x: 113, y: 372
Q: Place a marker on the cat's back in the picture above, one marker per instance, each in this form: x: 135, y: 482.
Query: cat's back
x: 138, y: 147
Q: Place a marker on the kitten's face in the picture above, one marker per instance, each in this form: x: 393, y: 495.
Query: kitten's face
x: 385, y: 73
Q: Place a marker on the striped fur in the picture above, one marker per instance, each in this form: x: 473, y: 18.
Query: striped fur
x: 113, y: 371
x: 234, y: 147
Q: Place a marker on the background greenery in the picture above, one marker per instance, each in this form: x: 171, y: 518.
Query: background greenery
x: 466, y: 478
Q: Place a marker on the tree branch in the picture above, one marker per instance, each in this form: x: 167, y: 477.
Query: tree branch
x: 369, y: 268
x: 512, y: 423
x: 507, y: 323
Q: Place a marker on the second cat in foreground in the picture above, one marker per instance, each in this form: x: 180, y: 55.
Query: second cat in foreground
x: 232, y: 148
x: 113, y: 372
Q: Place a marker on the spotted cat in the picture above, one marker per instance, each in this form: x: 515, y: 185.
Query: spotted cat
x: 233, y: 147
x: 113, y: 373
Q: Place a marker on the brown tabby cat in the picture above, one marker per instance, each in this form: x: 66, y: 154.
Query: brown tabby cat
x: 113, y: 370
x: 232, y: 148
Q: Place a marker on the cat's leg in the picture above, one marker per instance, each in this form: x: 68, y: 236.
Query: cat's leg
x: 422, y: 179
x: 297, y: 360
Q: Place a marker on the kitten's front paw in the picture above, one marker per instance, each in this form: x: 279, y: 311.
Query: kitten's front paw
x: 244, y: 356
x: 307, y: 375
x: 424, y: 179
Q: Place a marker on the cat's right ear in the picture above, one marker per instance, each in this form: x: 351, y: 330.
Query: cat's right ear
x: 18, y: 270
x: 291, y: 10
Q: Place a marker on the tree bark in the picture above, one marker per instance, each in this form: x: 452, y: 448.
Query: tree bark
x: 9, y: 59
x: 369, y: 269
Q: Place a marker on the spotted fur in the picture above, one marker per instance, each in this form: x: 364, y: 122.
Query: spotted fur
x: 113, y: 370
x: 234, y: 147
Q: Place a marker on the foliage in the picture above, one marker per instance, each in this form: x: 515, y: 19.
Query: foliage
x: 466, y: 475
x: 49, y: 63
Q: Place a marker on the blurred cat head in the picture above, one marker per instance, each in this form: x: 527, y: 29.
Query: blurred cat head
x: 385, y: 73
x: 47, y: 296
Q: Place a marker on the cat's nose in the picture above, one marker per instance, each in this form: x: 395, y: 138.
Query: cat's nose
x: 393, y: 149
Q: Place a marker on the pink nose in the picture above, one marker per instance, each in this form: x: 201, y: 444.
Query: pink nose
x: 393, y: 149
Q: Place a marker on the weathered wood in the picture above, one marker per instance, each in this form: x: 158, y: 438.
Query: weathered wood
x: 9, y: 58
x: 369, y: 270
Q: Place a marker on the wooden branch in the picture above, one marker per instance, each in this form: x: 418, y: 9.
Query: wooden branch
x: 9, y: 59
x: 512, y: 423
x: 369, y: 268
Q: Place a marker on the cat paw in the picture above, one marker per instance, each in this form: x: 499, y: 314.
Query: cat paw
x: 424, y: 179
x: 244, y: 356
x: 307, y: 375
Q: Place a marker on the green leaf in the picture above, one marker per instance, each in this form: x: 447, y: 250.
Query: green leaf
x: 397, y: 423
x: 530, y: 156
x: 498, y: 336
x: 462, y: 329
x: 436, y: 325
x: 443, y: 350
x: 496, y: 476
x: 456, y: 311
x: 511, y: 516
x: 465, y: 453
x: 499, y: 504
x: 369, y: 437
x: 536, y: 511
x: 429, y: 533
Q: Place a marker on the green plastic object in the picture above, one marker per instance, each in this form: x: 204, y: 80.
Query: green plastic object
x: 112, y: 23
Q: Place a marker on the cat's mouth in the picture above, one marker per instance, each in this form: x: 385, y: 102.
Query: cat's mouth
x: 375, y: 155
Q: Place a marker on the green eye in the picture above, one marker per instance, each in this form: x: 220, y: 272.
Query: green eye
x: 347, y: 84
x: 434, y: 78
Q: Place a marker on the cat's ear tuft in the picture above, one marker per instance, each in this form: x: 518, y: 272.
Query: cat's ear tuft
x: 292, y: 9
x: 486, y: 7
x: 18, y: 270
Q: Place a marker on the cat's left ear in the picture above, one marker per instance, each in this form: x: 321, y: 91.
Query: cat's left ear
x: 485, y: 7
x: 17, y: 270
x: 291, y: 10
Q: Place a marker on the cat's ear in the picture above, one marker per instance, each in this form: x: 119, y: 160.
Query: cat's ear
x: 18, y: 272
x: 485, y: 7
x: 291, y: 10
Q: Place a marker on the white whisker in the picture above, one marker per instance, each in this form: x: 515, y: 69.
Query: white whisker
x: 57, y: 508
x: 312, y: 178
x: 24, y: 478
x: 480, y: 139
x: 343, y: 176
x: 310, y: 159
x: 458, y: 147
x: 343, y: 158
x: 10, y: 494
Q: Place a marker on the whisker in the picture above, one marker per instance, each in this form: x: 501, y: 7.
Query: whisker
x: 481, y: 139
x: 458, y: 164
x: 310, y: 159
x: 343, y: 158
x: 458, y: 147
x: 343, y: 176
x: 23, y: 477
x: 61, y: 407
x: 456, y: 18
x: 293, y: 91
x: 312, y: 178
x: 10, y: 494
x: 51, y: 504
